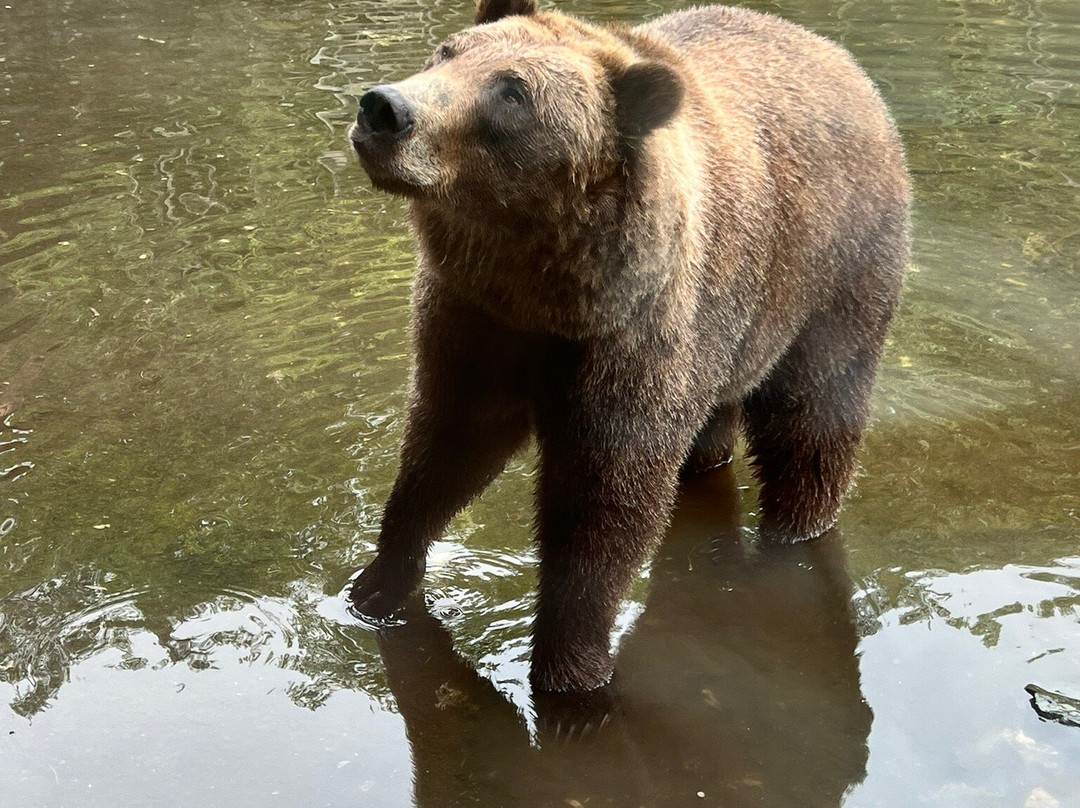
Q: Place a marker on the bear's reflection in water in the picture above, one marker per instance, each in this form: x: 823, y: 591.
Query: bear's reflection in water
x: 739, y: 685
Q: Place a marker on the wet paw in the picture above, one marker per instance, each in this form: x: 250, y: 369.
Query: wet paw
x: 384, y: 586
x: 774, y: 532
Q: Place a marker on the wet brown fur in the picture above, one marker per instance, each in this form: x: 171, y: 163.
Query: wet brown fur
x: 633, y: 296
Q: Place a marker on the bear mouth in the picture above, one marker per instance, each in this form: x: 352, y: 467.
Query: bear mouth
x: 378, y: 159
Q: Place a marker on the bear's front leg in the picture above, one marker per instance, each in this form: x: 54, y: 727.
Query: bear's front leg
x: 468, y: 415
x: 611, y: 447
x: 449, y: 456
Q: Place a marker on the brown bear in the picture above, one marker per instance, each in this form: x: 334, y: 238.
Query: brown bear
x: 633, y: 243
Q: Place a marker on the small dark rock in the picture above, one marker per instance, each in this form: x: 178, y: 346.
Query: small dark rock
x: 1052, y: 706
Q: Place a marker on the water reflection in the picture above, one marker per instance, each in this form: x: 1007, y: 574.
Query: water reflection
x: 239, y: 701
x: 739, y: 684
x: 55, y: 631
x: 946, y: 664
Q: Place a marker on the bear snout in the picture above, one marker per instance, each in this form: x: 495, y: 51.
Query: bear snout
x: 385, y: 113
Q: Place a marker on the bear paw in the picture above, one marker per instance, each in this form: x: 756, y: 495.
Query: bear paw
x: 384, y: 586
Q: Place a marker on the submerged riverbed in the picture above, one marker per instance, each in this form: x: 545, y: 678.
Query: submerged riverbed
x: 203, y: 360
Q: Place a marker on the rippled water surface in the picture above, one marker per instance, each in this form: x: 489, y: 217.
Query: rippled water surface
x: 203, y: 354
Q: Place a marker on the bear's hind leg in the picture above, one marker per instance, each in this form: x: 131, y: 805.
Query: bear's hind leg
x: 715, y: 443
x: 804, y: 424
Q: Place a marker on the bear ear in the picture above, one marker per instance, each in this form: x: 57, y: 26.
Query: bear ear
x: 647, y: 96
x: 491, y: 10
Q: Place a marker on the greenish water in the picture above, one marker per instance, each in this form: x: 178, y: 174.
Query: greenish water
x: 203, y: 354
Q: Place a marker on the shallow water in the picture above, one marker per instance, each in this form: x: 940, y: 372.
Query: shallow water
x: 202, y: 366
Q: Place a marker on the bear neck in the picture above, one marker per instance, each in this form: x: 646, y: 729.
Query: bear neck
x: 578, y: 266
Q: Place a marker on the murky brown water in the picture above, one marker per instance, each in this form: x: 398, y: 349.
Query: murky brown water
x: 202, y: 368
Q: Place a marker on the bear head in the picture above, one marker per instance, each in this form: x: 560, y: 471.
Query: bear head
x: 515, y: 114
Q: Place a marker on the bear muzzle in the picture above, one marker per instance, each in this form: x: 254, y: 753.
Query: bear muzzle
x: 385, y: 113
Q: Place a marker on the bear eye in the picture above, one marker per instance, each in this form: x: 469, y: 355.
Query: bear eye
x: 511, y: 91
x: 445, y: 52
x: 512, y: 96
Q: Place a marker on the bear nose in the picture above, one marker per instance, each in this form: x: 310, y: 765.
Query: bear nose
x: 386, y: 112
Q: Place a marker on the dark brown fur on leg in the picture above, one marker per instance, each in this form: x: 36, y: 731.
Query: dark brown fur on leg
x: 596, y: 529
x: 805, y: 421
x: 468, y: 416
x: 610, y: 451
x: 803, y: 479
